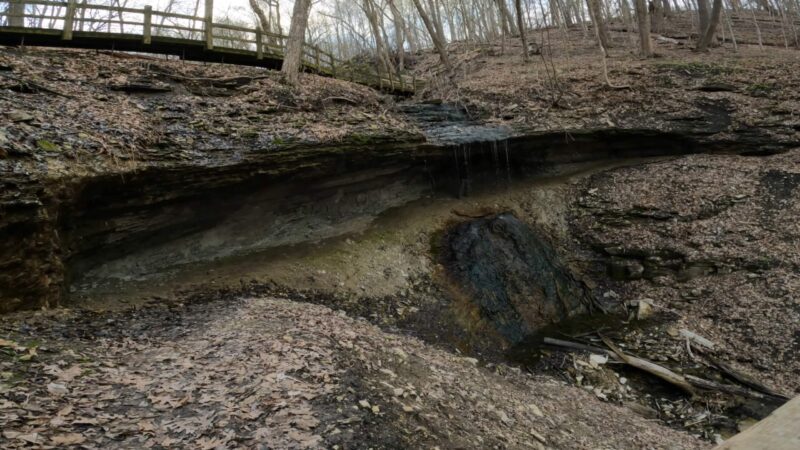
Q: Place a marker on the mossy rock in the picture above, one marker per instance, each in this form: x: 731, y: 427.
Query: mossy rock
x: 47, y: 146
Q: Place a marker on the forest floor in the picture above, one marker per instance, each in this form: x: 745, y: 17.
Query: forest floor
x: 724, y: 97
x: 102, y: 112
x: 230, y: 368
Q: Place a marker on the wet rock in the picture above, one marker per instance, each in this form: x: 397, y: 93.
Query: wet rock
x: 625, y: 269
x: 510, y: 276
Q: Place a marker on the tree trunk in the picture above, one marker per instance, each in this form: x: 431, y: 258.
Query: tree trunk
x: 764, y: 5
x: 16, y: 9
x: 521, y: 27
x: 371, y: 10
x: 438, y: 40
x: 278, y: 26
x: 554, y: 17
x: 293, y: 59
x: 703, y: 16
x: 657, y: 20
x: 644, y: 28
x: 708, y: 36
x: 262, y: 18
x: 400, y: 33
x: 667, y: 8
x: 599, y: 22
x: 506, y: 17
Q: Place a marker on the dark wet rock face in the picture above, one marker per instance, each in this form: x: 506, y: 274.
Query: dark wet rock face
x: 511, y: 275
x: 450, y: 124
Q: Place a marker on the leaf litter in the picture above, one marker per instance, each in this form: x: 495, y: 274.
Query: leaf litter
x: 273, y: 373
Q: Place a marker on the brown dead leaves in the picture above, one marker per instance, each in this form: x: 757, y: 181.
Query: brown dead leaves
x: 280, y: 374
x: 110, y: 122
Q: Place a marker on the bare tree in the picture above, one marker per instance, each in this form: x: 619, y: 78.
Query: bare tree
x: 708, y: 36
x: 400, y: 33
x: 262, y: 18
x: 642, y: 16
x: 508, y: 21
x: 521, y: 27
x: 596, y: 13
x: 437, y: 37
x: 293, y: 58
x: 702, y: 18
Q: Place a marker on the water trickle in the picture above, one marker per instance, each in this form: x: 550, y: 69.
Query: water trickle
x: 466, y: 181
x: 508, y: 161
x: 495, y: 159
x: 447, y: 124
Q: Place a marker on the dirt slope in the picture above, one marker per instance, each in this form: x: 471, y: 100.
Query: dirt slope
x: 260, y: 371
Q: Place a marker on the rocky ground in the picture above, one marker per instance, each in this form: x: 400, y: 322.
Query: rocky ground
x: 712, y: 240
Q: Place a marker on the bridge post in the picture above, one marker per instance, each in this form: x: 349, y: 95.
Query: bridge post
x: 16, y: 13
x: 209, y: 21
x: 259, y: 43
x: 69, y: 17
x: 147, y: 31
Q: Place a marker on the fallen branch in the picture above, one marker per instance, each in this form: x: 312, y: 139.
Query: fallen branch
x: 697, y: 339
x: 140, y: 88
x: 730, y: 389
x: 744, y: 379
x: 349, y: 101
x: 582, y: 347
x: 651, y: 368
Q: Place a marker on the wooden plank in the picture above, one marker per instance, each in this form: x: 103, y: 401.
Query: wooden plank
x: 225, y: 26
x: 170, y: 15
x: 779, y: 431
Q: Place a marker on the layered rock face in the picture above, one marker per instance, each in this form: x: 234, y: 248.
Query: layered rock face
x: 31, y: 269
x: 54, y: 232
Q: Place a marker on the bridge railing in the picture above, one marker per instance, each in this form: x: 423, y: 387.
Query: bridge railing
x: 72, y: 18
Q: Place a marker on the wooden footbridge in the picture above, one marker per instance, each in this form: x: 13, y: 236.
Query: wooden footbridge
x: 80, y: 24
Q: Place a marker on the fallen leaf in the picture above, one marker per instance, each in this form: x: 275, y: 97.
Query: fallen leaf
x: 68, y: 439
x: 57, y: 389
x: 31, y: 438
x: 12, y: 345
x: 65, y: 411
x: 19, y: 116
x: 31, y: 353
x: 70, y: 374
